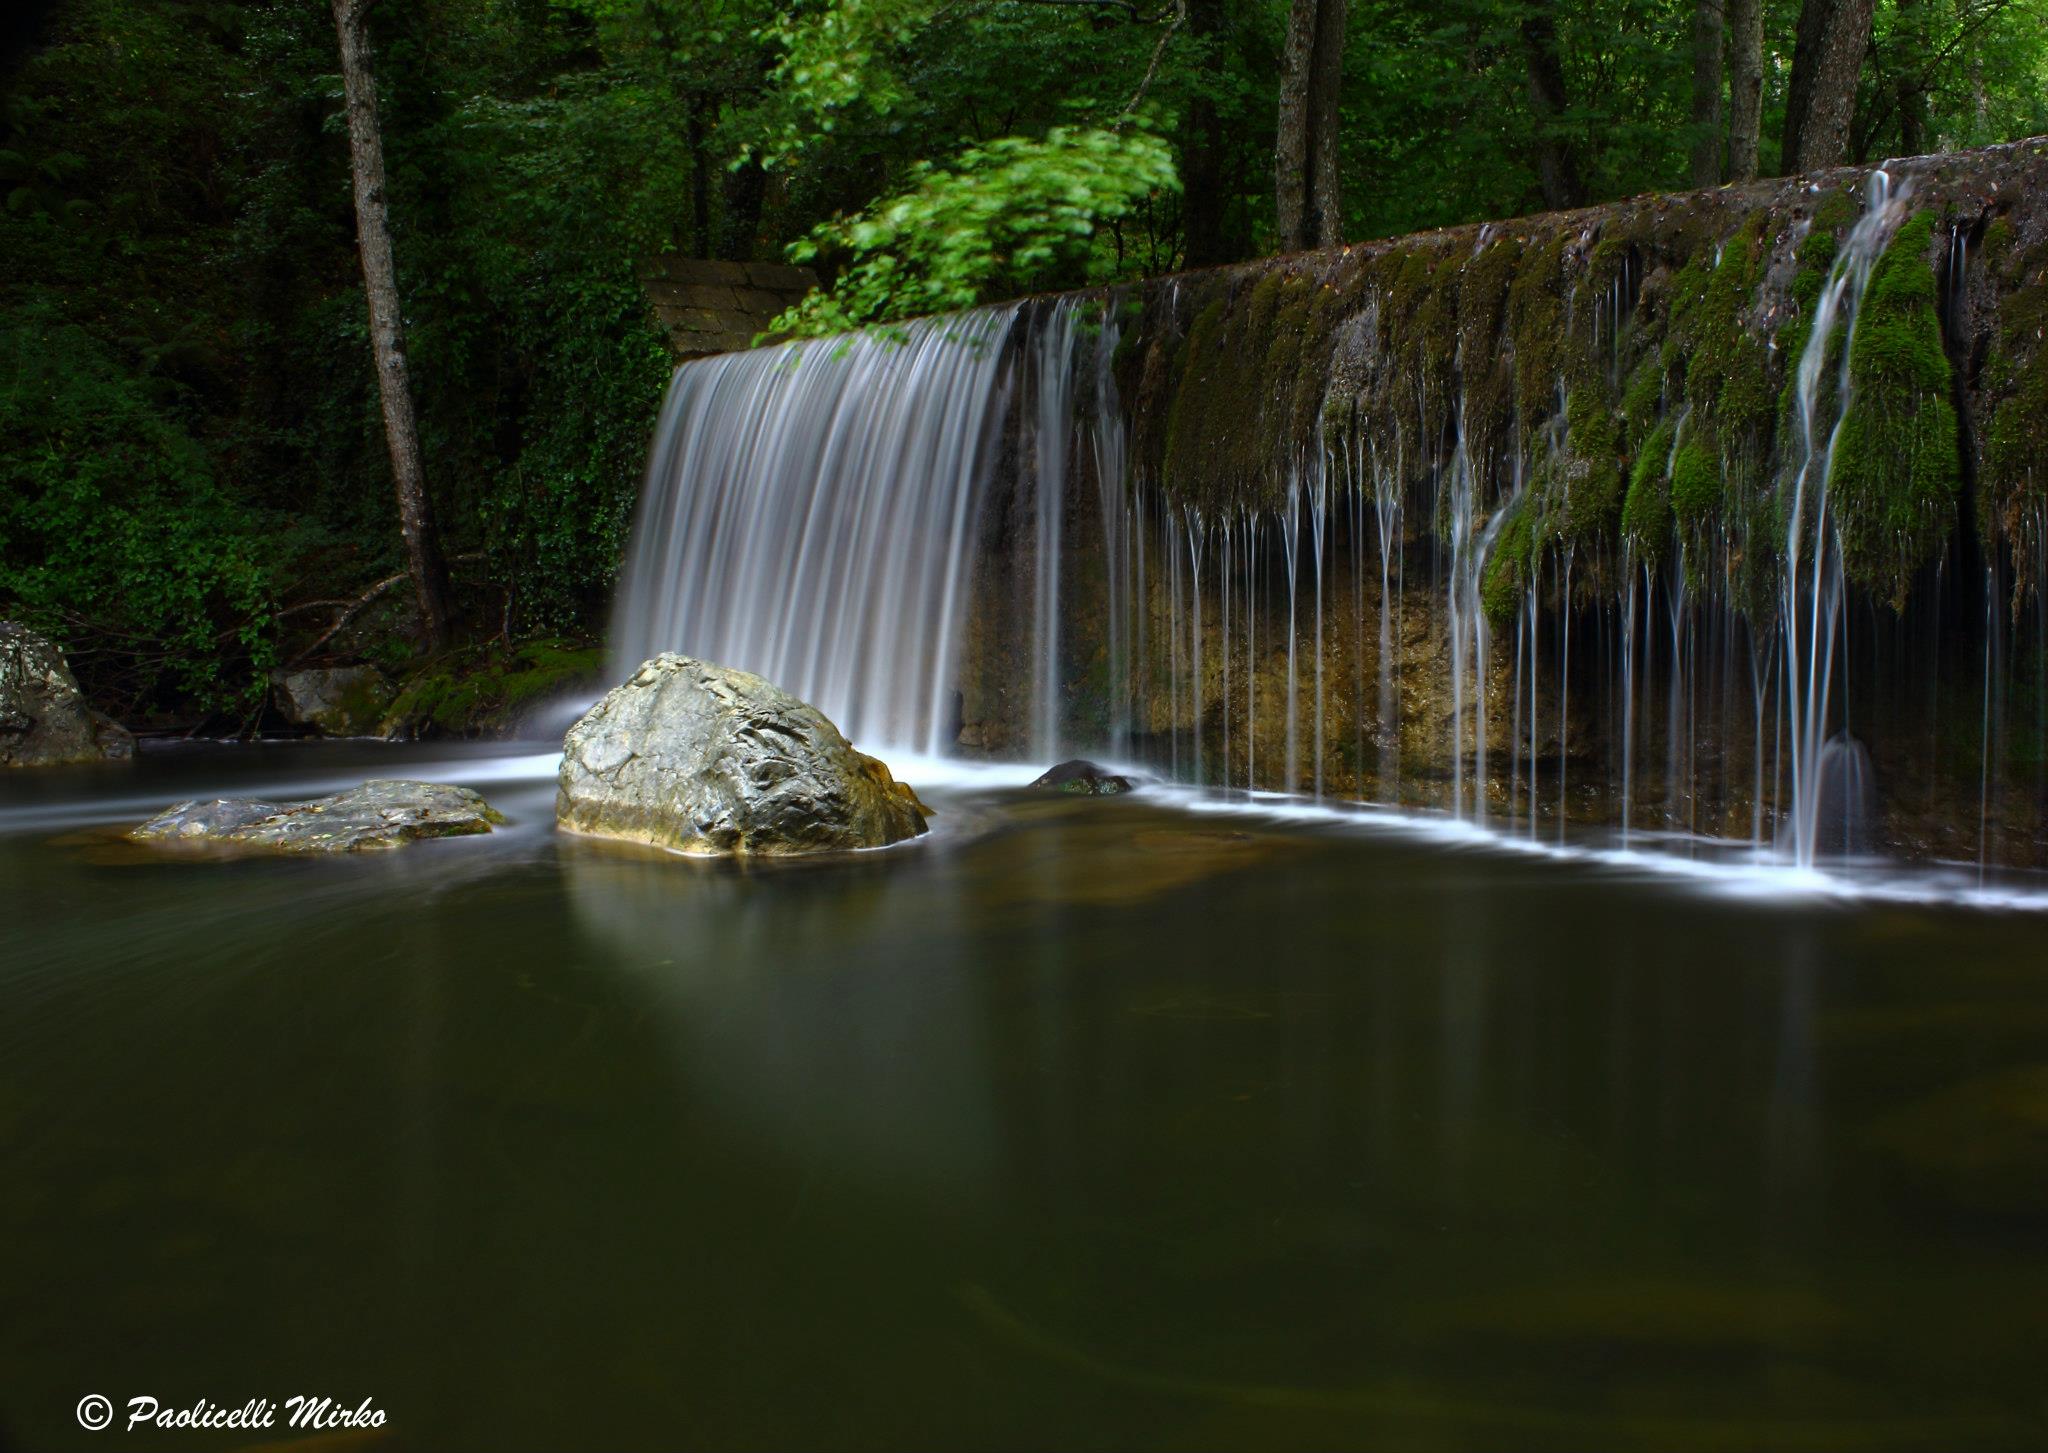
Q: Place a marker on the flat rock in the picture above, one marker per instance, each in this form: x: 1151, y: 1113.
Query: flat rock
x: 704, y: 759
x: 44, y: 720
x: 375, y: 815
x: 1082, y: 779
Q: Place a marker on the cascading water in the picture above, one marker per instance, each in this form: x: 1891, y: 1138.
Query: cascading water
x: 970, y: 537
x: 810, y: 514
x: 1812, y: 584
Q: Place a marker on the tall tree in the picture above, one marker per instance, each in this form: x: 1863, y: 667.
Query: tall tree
x: 1307, y: 191
x: 1557, y: 161
x: 1745, y: 87
x: 1707, y: 18
x: 424, y: 560
x: 1202, y: 147
x: 1820, y: 99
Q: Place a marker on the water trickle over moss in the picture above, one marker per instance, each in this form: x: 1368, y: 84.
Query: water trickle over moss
x: 1510, y: 564
x: 1536, y: 317
x: 1897, y: 467
x: 1646, y: 513
x: 1485, y: 363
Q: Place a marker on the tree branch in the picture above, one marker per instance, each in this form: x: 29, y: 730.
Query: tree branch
x: 1180, y: 15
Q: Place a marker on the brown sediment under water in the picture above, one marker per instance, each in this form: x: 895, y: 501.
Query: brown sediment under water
x: 1134, y: 1122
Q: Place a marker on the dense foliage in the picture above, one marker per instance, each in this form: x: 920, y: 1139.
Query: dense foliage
x: 193, y: 474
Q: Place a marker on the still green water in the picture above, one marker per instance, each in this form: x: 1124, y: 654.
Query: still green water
x: 1083, y: 1124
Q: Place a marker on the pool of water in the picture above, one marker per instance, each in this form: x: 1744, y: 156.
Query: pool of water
x: 1122, y: 1123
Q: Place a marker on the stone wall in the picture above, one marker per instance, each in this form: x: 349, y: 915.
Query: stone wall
x: 705, y: 306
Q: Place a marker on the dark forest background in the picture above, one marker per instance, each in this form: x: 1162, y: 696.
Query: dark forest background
x: 194, y: 472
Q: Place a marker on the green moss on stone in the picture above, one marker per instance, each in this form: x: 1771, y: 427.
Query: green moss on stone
x: 2015, y: 385
x: 480, y: 690
x: 1646, y: 513
x: 1695, y: 483
x: 1897, y: 464
x: 1536, y: 318
x: 1509, y: 565
x: 1590, y: 479
x: 1643, y: 398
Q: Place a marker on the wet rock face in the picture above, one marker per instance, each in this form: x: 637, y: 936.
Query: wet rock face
x: 1082, y: 778
x: 374, y: 815
x: 703, y: 759
x: 338, y: 701
x: 44, y: 721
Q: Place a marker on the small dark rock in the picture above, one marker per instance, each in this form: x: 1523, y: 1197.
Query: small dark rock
x: 1083, y: 779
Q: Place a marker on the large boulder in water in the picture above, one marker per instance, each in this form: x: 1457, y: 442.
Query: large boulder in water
x: 703, y: 759
x: 374, y: 815
x: 44, y: 721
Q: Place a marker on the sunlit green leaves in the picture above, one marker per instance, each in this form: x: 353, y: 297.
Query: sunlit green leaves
x: 996, y: 218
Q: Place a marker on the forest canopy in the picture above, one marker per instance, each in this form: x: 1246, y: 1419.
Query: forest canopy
x: 194, y: 467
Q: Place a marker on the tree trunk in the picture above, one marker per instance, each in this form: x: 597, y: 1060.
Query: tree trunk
x: 1745, y: 87
x: 1820, y: 101
x: 1326, y: 89
x: 424, y: 562
x: 1204, y: 196
x: 1307, y: 200
x: 746, y: 187
x: 1291, y: 145
x: 1557, y: 162
x: 1706, y: 93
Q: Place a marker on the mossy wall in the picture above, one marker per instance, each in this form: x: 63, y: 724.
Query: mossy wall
x: 1494, y: 519
x: 1629, y: 367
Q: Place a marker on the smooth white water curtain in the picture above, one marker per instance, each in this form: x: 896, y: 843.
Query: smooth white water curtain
x: 810, y: 514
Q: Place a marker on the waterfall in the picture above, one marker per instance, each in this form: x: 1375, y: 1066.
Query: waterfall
x: 1811, y: 589
x: 1115, y: 523
x: 1052, y: 386
x: 809, y: 515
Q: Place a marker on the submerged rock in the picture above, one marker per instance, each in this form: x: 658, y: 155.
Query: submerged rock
x: 375, y: 815
x: 703, y: 759
x: 338, y: 701
x: 1083, y: 779
x: 44, y: 721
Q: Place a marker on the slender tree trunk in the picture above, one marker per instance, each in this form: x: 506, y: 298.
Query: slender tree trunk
x: 424, y: 561
x: 1820, y: 101
x: 1326, y: 90
x: 1292, y: 143
x: 1706, y: 93
x: 1745, y: 87
x: 1557, y: 162
x: 1204, y: 197
x: 1307, y: 176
